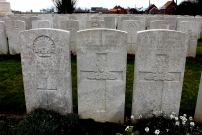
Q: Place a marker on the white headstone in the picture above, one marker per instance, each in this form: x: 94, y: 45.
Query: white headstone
x: 110, y: 22
x: 159, y: 24
x: 82, y: 20
x: 198, y: 114
x: 95, y: 24
x: 30, y: 19
x: 151, y: 18
x: 73, y: 27
x: 20, y: 18
x: 172, y: 21
x: 41, y: 24
x: 13, y: 29
x: 199, y: 20
x: 5, y: 19
x: 159, y: 71
x: 46, y: 69
x: 96, y: 18
x: 3, y: 39
x: 47, y: 17
x: 141, y: 19
x: 192, y: 28
x: 192, y: 44
x: 131, y: 26
x: 120, y: 20
x: 73, y: 17
x: 179, y: 19
x: 101, y: 69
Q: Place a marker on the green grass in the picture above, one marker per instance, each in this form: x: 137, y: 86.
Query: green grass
x: 11, y: 84
x: 12, y: 93
x: 199, y: 47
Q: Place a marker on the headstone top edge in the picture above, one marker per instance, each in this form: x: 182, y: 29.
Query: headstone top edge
x: 160, y: 30
x: 102, y: 29
x: 42, y: 29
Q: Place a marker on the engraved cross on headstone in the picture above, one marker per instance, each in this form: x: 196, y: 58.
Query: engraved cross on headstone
x: 160, y: 73
x: 101, y: 74
x: 46, y: 83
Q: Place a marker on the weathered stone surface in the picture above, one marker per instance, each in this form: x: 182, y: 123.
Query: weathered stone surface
x: 59, y: 19
x: 173, y: 22
x: 131, y: 26
x: 141, y: 19
x: 159, y: 24
x: 20, y: 18
x: 73, y: 27
x: 199, y: 19
x: 151, y: 18
x: 159, y: 71
x: 30, y: 19
x: 101, y: 69
x: 95, y: 24
x: 47, y: 17
x: 192, y: 44
x: 13, y: 29
x: 193, y: 29
x: 5, y: 19
x: 73, y: 17
x: 3, y: 39
x: 83, y: 18
x: 46, y: 69
x: 179, y: 19
x: 194, y: 26
x: 41, y: 24
x: 120, y: 20
x: 198, y: 114
x: 5, y: 8
x: 110, y: 22
x: 96, y: 18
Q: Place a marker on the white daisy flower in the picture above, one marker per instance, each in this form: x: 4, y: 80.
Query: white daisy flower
x: 146, y: 129
x: 157, y: 132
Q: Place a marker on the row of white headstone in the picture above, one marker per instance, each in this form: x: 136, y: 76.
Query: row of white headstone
x: 14, y: 27
x: 101, y: 72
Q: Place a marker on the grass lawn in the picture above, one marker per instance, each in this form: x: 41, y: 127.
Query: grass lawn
x: 12, y: 94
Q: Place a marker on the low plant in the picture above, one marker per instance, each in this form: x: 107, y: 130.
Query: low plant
x: 163, y: 124
x: 42, y: 122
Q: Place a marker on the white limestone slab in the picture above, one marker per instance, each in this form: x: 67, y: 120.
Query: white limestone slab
x: 159, y: 24
x: 193, y: 29
x: 159, y: 71
x: 13, y: 29
x: 110, y: 22
x: 48, y: 17
x: 101, y: 70
x: 46, y: 69
x: 131, y: 26
x: 198, y: 114
x: 149, y: 19
x: 95, y: 24
x: 172, y: 21
x: 179, y: 19
x: 141, y: 19
x: 41, y: 24
x: 73, y: 27
x: 120, y: 20
x: 30, y: 19
x: 3, y: 39
x: 5, y: 8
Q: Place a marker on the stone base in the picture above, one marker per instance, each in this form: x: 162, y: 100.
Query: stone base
x: 6, y: 13
x: 5, y: 9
